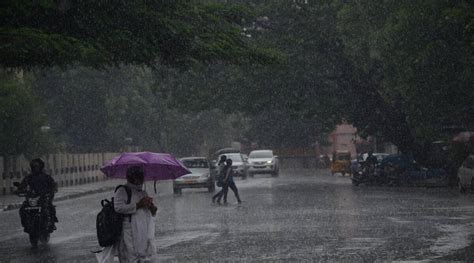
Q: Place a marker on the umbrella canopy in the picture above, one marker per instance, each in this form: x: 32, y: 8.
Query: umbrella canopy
x: 156, y: 166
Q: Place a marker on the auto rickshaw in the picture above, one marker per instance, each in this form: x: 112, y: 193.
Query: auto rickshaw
x: 341, y: 162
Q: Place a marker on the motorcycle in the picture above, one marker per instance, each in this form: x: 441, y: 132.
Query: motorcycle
x: 36, y: 220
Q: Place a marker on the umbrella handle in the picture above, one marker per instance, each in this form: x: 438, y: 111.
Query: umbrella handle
x: 155, y: 186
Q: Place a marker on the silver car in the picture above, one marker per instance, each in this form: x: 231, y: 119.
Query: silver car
x: 200, y: 176
x: 263, y: 162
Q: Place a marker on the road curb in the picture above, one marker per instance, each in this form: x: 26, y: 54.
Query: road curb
x: 62, y: 198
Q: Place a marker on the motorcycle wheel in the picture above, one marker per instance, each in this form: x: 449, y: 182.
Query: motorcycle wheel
x: 44, y: 238
x: 34, y: 240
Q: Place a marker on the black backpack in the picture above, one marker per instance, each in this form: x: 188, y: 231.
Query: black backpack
x: 109, y: 223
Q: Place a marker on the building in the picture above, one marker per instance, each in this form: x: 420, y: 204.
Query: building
x: 344, y: 138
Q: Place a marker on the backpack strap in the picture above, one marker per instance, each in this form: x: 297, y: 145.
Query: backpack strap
x: 128, y: 190
x: 129, y: 197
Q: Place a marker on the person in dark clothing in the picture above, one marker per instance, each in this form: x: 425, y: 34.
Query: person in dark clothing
x: 229, y: 182
x: 39, y: 184
x: 220, y: 177
x: 371, y: 160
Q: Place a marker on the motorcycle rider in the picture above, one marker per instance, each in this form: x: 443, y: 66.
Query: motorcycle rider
x: 42, y: 185
x: 371, y: 161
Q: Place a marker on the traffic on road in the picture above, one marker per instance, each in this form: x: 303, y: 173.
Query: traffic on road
x: 301, y: 215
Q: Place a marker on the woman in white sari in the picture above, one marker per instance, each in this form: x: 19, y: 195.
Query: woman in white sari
x: 136, y: 244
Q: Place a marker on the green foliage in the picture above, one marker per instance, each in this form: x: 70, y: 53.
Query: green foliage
x: 103, y: 33
x: 415, y: 59
x: 21, y: 118
x: 196, y: 133
x: 397, y: 69
x: 95, y: 110
x: 293, y: 90
x: 108, y: 110
x: 402, y: 70
x: 279, y: 129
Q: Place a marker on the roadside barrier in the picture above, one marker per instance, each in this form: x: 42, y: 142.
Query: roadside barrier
x: 66, y: 169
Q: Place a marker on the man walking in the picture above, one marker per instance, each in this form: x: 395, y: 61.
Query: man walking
x: 220, y: 178
x: 229, y: 182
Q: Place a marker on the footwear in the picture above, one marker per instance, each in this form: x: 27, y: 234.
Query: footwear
x: 213, y: 200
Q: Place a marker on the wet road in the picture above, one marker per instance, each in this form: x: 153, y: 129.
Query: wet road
x: 298, y: 216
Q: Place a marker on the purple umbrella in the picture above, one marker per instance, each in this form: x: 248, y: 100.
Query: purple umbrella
x: 156, y: 166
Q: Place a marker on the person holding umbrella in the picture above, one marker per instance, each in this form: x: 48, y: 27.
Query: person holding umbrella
x: 136, y: 243
x: 136, y: 240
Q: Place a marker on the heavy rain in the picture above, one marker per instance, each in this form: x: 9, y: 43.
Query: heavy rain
x: 246, y: 131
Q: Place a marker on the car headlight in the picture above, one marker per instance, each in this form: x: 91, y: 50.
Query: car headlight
x: 269, y: 162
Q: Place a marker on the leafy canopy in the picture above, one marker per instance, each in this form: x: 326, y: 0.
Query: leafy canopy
x: 108, y: 32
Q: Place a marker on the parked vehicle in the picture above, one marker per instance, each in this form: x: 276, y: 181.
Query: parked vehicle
x: 36, y: 221
x: 356, y: 164
x: 367, y: 175
x: 200, y: 176
x: 466, y: 175
x: 399, y: 169
x: 263, y: 162
x: 380, y: 156
x: 341, y: 163
x: 239, y: 165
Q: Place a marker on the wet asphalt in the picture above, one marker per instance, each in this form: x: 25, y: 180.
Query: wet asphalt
x: 299, y: 216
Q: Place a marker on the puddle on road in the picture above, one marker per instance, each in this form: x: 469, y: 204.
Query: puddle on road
x: 455, y: 237
x: 171, y: 240
x: 399, y: 220
x: 78, y: 235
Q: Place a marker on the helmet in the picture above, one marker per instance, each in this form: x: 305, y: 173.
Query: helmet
x: 37, y: 163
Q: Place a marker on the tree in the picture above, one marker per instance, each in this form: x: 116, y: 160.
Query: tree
x: 397, y: 69
x: 86, y: 107
x: 103, y: 33
x: 94, y: 110
x: 414, y: 64
x: 21, y: 119
x: 298, y: 91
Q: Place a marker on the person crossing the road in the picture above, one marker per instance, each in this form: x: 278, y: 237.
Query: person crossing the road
x: 229, y: 182
x: 220, y: 178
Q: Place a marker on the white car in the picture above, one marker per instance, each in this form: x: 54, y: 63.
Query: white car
x: 263, y: 162
x: 466, y: 175
x: 199, y: 177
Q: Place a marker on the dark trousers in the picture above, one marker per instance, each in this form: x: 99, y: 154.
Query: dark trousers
x: 233, y: 187
x: 218, y: 195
